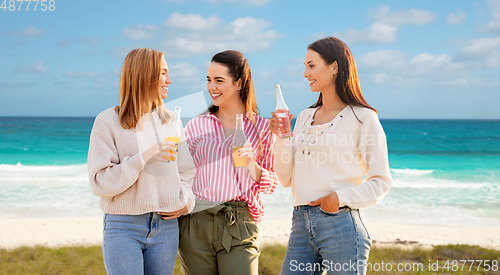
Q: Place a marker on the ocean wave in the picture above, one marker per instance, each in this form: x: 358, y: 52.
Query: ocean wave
x: 404, y: 182
x: 42, y: 175
x: 44, y: 179
x: 434, y: 183
x: 33, y: 168
x: 413, y: 172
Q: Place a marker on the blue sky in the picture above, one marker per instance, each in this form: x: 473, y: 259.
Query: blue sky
x: 417, y: 59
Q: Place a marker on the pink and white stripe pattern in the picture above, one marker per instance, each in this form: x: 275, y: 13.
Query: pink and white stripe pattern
x: 216, y: 179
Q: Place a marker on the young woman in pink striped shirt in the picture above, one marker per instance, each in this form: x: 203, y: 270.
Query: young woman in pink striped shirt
x: 220, y: 236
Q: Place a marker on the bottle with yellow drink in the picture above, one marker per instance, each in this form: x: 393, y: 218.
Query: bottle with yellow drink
x: 174, y: 132
x: 239, y: 139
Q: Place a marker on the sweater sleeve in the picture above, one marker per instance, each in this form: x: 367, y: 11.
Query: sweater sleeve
x: 269, y: 178
x: 187, y: 171
x: 108, y: 176
x: 284, y: 155
x: 375, y: 162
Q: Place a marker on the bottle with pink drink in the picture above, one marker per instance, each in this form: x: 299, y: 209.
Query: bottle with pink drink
x: 283, y: 113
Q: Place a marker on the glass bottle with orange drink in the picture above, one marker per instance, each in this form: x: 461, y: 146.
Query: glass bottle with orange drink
x: 239, y: 139
x: 174, y: 132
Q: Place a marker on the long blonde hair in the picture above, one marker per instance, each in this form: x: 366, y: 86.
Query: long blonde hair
x: 140, y: 87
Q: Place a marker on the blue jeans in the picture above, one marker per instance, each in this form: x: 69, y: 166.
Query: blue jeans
x: 139, y: 244
x: 320, y: 241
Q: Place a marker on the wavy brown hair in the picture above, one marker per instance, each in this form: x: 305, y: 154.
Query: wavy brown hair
x: 347, y: 86
x: 238, y: 68
x: 140, y: 87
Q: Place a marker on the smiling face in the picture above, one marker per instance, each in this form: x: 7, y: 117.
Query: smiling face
x: 164, y: 79
x: 221, y: 86
x: 320, y: 75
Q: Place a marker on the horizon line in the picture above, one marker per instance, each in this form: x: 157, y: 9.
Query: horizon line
x: 88, y: 117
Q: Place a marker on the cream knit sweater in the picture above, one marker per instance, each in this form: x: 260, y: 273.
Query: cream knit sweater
x: 343, y: 155
x: 126, y: 184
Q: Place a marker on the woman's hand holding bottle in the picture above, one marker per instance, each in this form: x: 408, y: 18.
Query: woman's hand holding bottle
x: 276, y: 124
x: 247, y: 151
x: 163, y: 151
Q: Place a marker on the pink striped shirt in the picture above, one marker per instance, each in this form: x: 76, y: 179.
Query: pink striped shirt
x: 216, y: 179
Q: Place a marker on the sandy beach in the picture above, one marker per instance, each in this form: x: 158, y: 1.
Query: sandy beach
x: 69, y: 231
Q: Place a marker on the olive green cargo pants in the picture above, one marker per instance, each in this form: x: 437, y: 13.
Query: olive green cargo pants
x: 219, y: 240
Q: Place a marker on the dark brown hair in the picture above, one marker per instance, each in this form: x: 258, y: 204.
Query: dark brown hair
x: 347, y: 86
x: 238, y: 69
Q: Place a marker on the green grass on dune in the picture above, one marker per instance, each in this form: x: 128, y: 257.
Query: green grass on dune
x: 88, y: 260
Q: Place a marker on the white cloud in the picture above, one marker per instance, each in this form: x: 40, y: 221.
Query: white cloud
x: 425, y: 64
x: 256, y: 3
x: 385, y: 59
x: 38, y: 68
x: 317, y: 36
x: 395, y: 67
x: 64, y: 44
x: 192, y: 22
x: 494, y: 25
x: 139, y: 32
x: 290, y: 76
x: 402, y: 17
x: 92, y: 41
x: 120, y: 52
x: 376, y: 34
x: 184, y: 73
x: 73, y: 74
x: 87, y: 53
x: 108, y: 81
x: 484, y: 50
x: 459, y: 17
x: 192, y: 34
x: 10, y: 85
x: 30, y: 31
x: 385, y: 26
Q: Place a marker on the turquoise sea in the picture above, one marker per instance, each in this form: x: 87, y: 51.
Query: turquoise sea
x: 445, y: 171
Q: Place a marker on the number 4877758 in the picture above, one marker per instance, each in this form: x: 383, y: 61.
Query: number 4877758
x: 11, y: 5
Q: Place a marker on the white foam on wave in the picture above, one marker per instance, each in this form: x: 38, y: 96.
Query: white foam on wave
x: 44, y: 179
x: 413, y: 172
x: 46, y: 173
x: 64, y: 190
x: 34, y: 168
x: 30, y: 190
x: 439, y: 184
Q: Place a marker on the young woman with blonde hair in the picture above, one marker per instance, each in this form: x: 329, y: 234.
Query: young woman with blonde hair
x: 128, y: 169
x: 336, y: 163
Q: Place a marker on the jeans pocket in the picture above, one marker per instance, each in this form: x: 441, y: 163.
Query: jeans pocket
x: 341, y: 210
